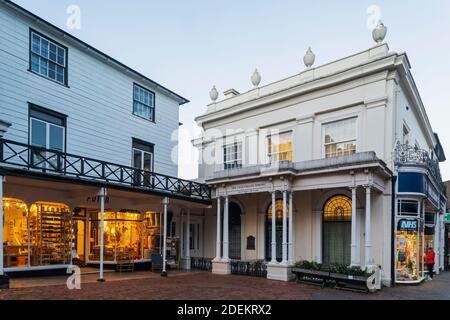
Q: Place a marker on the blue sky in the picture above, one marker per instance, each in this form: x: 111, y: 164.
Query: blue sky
x: 190, y: 45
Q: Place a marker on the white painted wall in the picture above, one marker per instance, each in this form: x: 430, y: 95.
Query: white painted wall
x: 98, y: 101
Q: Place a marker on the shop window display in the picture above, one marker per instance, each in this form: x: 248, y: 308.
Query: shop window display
x: 409, y: 257
x: 15, y: 233
x: 109, y: 236
x: 50, y: 234
x: 152, y: 234
x: 127, y: 233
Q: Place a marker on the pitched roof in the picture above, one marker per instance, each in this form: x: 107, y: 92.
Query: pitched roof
x: 107, y: 59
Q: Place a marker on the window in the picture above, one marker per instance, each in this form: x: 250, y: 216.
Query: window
x: 405, y: 134
x: 47, y: 58
x: 143, y: 161
x: 408, y: 208
x: 280, y: 147
x: 340, y: 138
x: 143, y: 103
x: 47, y: 131
x: 232, y: 155
x: 338, y: 208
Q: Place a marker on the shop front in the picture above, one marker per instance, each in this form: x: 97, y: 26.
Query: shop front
x: 84, y: 212
x: 37, y: 236
x: 410, y: 253
x: 128, y: 234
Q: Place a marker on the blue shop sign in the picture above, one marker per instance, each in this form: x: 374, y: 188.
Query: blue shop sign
x: 408, y: 225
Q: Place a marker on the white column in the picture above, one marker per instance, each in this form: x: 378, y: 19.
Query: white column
x: 368, y: 238
x: 226, y: 241
x: 274, y: 239
x: 353, y: 235
x: 182, y: 235
x: 218, y: 233
x: 284, y: 248
x: 318, y: 216
x: 188, y: 227
x: 165, y: 203
x: 291, y: 231
x: 102, y: 196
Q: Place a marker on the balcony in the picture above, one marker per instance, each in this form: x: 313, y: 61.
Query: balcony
x: 408, y: 155
x: 23, y: 158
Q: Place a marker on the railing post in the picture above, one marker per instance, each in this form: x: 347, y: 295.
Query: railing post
x: 82, y: 167
x: 1, y: 149
x: 103, y: 171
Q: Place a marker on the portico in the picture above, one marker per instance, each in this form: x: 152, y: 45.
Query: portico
x: 284, y: 212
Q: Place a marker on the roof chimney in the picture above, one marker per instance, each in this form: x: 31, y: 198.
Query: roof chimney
x: 230, y: 93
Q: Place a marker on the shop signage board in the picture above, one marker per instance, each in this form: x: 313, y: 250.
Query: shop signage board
x: 447, y: 218
x: 408, y: 225
x: 249, y: 188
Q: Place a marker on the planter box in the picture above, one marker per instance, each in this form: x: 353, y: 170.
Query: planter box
x: 349, y: 282
x: 340, y: 281
x: 311, y: 276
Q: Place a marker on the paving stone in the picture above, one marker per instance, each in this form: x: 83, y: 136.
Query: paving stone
x: 206, y: 286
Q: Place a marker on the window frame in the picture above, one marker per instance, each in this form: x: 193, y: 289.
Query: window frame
x: 324, y: 144
x: 143, y: 152
x: 400, y: 213
x: 237, y: 162
x: 153, y: 119
x: 269, y: 155
x: 32, y: 107
x: 50, y: 40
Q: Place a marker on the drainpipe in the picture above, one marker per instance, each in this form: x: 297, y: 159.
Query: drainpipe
x: 393, y: 226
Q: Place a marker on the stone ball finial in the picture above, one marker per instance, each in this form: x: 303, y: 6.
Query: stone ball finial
x: 379, y: 33
x: 214, y: 94
x: 309, y: 58
x: 256, y: 78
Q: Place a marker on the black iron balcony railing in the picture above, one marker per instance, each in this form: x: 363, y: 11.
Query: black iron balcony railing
x: 27, y: 157
x: 407, y: 155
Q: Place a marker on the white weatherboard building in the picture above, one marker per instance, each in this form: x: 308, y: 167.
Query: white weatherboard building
x: 336, y: 164
x: 85, y: 154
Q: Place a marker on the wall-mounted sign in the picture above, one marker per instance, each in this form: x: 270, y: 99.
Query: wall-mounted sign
x: 249, y: 188
x: 408, y: 225
x: 96, y: 199
x: 251, y: 243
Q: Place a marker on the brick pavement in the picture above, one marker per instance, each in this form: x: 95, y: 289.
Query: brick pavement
x: 206, y: 286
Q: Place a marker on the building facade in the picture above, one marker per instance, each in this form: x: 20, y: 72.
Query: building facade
x: 336, y: 164
x: 86, y: 167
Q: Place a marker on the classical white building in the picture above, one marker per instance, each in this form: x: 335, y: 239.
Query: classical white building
x: 342, y: 154
x: 86, y: 168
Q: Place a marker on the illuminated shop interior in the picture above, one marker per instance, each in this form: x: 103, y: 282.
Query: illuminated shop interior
x: 48, y: 234
x: 40, y: 236
x: 127, y: 234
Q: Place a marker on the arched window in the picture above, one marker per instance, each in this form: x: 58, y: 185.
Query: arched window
x: 337, y: 217
x: 338, y: 208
